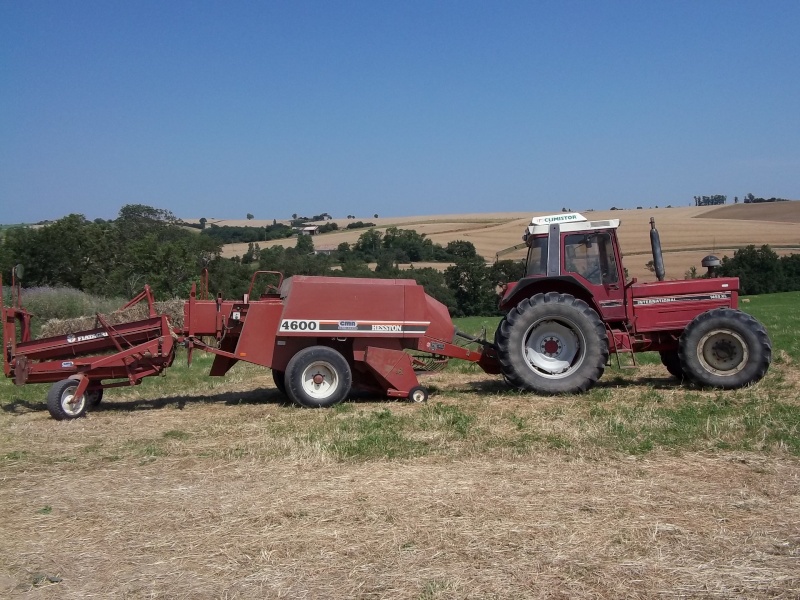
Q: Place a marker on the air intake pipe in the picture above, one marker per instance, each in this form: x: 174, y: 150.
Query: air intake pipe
x: 655, y: 244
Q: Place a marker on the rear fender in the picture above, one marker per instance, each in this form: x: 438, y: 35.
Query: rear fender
x: 530, y: 286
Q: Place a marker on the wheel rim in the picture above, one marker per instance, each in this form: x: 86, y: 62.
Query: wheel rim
x: 723, y: 352
x: 418, y: 396
x: 554, y: 348
x: 70, y: 405
x: 320, y: 380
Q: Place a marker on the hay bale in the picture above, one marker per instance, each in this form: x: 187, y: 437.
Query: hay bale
x: 173, y: 309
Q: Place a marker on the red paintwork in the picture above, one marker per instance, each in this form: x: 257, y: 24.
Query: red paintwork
x: 371, y: 322
x: 638, y: 316
x: 650, y: 312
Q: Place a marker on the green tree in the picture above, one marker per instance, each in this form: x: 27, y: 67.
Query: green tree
x: 343, y: 252
x: 461, y: 249
x: 368, y: 245
x: 759, y: 270
x: 305, y: 244
x: 472, y: 286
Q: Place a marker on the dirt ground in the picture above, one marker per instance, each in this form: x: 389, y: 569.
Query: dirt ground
x: 96, y: 508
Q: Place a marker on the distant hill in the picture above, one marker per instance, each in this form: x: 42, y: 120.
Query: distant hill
x: 687, y: 233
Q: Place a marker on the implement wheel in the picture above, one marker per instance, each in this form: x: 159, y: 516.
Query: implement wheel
x: 279, y: 378
x: 62, y: 403
x: 318, y: 377
x: 725, y: 348
x: 552, y: 344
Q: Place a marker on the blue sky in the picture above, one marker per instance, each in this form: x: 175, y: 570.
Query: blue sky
x: 220, y: 109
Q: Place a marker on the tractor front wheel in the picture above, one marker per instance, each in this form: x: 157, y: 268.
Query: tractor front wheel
x: 318, y: 377
x: 553, y: 344
x: 725, y: 348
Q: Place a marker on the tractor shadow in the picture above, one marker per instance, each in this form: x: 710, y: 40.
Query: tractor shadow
x: 497, y: 386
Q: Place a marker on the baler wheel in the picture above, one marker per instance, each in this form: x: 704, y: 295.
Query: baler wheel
x: 725, y: 348
x: 279, y: 378
x: 318, y: 377
x: 552, y: 344
x: 61, y: 401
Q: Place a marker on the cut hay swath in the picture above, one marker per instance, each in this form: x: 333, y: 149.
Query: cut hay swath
x: 173, y: 309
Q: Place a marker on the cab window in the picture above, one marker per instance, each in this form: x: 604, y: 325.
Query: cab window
x: 537, y: 256
x: 591, y: 255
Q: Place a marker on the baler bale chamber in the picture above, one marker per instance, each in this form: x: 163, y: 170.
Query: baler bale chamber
x: 325, y: 336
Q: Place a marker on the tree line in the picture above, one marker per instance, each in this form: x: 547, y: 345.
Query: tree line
x: 146, y: 245
x: 762, y: 271
x: 149, y: 245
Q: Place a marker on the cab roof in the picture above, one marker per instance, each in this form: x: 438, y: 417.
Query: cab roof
x: 568, y: 222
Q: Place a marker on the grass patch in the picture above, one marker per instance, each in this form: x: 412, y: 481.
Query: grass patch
x: 380, y: 434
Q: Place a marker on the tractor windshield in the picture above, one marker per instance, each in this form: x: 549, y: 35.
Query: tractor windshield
x: 537, y: 256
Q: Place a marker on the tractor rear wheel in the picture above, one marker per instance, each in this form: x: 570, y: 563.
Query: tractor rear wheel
x: 62, y: 403
x: 318, y: 377
x: 553, y: 344
x: 725, y: 348
x: 672, y: 360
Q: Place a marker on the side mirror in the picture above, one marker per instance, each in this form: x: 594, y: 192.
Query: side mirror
x: 19, y: 272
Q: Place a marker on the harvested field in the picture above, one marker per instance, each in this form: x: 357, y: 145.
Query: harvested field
x: 196, y: 487
x: 778, y: 212
x: 703, y: 230
x: 232, y: 494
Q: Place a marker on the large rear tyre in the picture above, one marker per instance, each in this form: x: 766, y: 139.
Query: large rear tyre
x: 62, y: 403
x: 318, y: 377
x: 725, y: 348
x: 552, y: 344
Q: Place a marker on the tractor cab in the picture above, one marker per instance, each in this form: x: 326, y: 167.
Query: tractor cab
x: 589, y: 248
x: 576, y: 256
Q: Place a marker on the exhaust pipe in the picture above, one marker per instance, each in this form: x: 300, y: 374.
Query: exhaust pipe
x: 655, y: 244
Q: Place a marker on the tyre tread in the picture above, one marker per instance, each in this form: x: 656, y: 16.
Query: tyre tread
x: 761, y: 350
x: 508, y: 361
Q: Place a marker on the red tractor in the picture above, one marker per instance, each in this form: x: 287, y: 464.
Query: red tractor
x: 574, y: 307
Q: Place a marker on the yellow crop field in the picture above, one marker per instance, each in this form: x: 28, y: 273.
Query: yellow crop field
x: 687, y: 233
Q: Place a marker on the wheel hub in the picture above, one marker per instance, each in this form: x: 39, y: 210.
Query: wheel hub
x: 551, y: 346
x: 723, y: 352
x: 320, y: 380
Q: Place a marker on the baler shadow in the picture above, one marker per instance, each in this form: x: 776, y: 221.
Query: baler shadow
x: 19, y: 406
x: 257, y: 396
